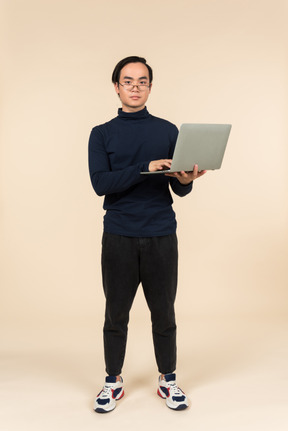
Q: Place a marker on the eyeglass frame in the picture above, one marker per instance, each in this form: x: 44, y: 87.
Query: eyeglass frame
x: 134, y: 85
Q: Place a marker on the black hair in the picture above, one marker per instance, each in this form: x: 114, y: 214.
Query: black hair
x: 133, y: 59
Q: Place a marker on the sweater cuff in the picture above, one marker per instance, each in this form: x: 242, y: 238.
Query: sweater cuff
x: 144, y: 167
x: 186, y: 185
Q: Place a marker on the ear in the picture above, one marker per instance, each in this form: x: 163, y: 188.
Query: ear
x: 150, y: 86
x: 116, y: 86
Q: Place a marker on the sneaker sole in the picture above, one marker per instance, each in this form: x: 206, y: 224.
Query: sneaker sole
x: 103, y: 411
x: 180, y: 407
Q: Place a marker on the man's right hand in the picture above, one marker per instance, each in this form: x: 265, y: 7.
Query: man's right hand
x: 159, y: 165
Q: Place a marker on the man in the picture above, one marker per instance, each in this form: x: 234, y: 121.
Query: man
x: 139, y: 242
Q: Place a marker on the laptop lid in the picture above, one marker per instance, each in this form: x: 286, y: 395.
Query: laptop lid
x: 201, y: 144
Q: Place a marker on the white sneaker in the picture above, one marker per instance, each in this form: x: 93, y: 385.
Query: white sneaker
x: 168, y: 389
x: 112, y: 391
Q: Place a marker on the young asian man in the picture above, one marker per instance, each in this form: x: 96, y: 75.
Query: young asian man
x: 139, y: 243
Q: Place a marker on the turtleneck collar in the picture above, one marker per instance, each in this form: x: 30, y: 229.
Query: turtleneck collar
x: 133, y: 115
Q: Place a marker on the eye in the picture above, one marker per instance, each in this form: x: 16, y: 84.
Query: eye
x: 127, y: 82
x: 143, y: 83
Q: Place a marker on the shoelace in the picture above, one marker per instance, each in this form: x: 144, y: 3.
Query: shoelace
x: 174, y: 388
x: 106, y: 391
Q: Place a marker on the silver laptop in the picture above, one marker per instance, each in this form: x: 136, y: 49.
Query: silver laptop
x: 198, y: 144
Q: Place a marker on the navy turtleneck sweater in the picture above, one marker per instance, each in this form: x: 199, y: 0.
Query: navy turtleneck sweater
x: 136, y: 205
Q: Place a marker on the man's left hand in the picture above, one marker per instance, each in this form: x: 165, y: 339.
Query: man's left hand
x: 187, y: 177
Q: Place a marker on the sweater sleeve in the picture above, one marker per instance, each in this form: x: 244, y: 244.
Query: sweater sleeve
x: 103, y: 179
x: 180, y: 189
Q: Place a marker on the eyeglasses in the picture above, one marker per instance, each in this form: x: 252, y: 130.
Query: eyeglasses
x: 140, y: 87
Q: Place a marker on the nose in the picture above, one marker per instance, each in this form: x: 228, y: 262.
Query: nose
x: 135, y: 87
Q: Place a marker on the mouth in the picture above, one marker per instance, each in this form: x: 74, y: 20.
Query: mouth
x: 135, y: 97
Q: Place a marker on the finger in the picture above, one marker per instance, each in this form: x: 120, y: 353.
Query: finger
x: 163, y: 164
x: 167, y: 162
x: 201, y: 173
x: 173, y: 174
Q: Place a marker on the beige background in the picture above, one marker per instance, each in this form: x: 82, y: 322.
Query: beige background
x: 213, y: 61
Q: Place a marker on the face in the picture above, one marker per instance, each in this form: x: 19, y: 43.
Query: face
x: 133, y: 100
